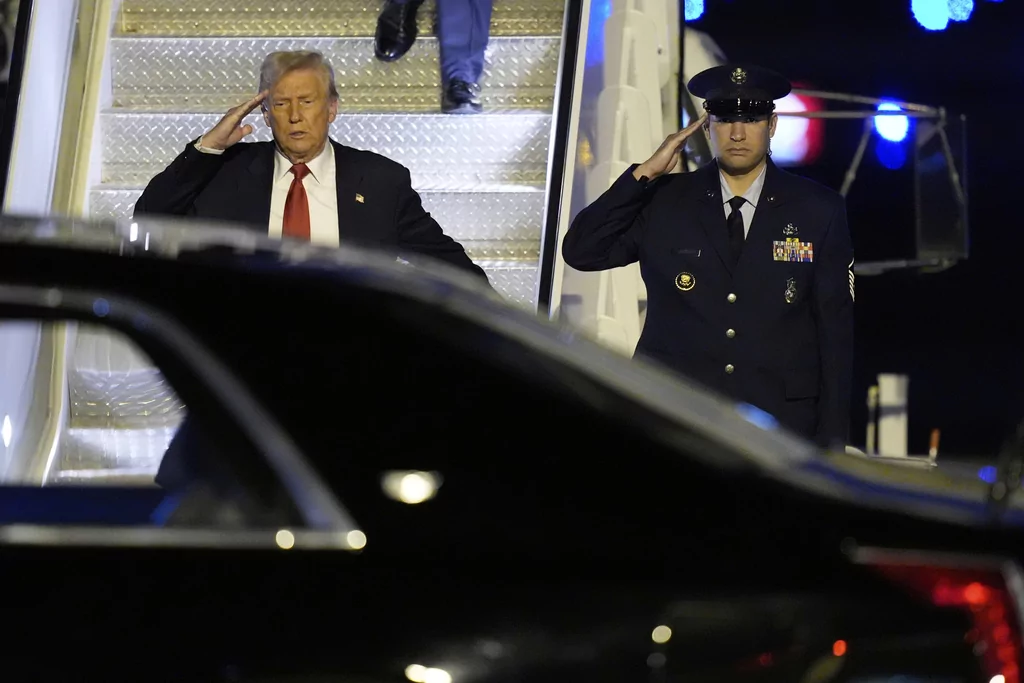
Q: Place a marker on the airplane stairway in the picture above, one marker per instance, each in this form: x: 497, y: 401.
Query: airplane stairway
x: 177, y: 65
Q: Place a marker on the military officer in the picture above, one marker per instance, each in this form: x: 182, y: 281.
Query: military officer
x: 748, y: 268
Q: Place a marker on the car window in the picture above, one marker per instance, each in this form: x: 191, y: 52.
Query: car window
x: 92, y: 432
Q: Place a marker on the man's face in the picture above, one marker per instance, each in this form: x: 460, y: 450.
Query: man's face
x: 299, y: 112
x: 740, y: 143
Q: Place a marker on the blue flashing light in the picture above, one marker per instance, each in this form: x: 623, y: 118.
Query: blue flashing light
x: 892, y: 155
x: 987, y: 474
x: 892, y: 128
x: 693, y: 9
x: 960, y: 10
x: 600, y: 10
x: 933, y: 15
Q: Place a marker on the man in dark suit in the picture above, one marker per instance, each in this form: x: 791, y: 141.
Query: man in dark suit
x: 748, y: 268
x: 303, y: 185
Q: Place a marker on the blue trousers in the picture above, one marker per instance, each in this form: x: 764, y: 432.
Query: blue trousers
x: 463, y: 29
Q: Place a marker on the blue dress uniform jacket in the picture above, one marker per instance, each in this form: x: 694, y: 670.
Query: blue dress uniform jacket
x: 774, y: 329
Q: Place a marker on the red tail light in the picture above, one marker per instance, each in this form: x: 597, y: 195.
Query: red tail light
x: 980, y: 588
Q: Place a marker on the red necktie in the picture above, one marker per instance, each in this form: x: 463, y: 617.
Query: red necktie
x: 296, y: 206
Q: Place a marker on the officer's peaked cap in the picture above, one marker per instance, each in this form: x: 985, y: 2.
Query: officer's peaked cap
x: 739, y: 89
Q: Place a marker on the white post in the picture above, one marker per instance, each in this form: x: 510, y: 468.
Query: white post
x: 892, y: 414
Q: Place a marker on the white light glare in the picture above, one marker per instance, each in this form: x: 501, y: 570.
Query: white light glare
x: 411, y: 487
x: 7, y: 431
x: 133, y: 232
x: 417, y: 673
x: 998, y: 678
x: 436, y: 676
x: 285, y: 539
x: 661, y: 634
x: 892, y: 128
x: 790, y: 144
x: 356, y: 539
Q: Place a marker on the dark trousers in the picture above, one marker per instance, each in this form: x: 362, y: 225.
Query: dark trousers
x: 463, y: 29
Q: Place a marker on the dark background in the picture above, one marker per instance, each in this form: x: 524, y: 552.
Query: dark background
x: 958, y: 334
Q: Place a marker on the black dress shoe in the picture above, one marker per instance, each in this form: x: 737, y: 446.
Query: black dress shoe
x: 461, y: 97
x: 396, y: 29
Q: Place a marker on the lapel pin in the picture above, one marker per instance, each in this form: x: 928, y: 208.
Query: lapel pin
x: 790, y: 230
x: 790, y: 290
x: 685, y: 281
x: 359, y: 198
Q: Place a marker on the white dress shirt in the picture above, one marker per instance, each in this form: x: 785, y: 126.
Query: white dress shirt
x: 321, y: 191
x: 752, y: 195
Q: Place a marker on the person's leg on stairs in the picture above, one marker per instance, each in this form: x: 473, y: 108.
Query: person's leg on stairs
x: 396, y: 29
x: 464, y: 28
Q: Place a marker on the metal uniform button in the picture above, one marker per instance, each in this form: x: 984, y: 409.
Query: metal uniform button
x: 730, y: 333
x: 731, y: 298
x: 729, y: 368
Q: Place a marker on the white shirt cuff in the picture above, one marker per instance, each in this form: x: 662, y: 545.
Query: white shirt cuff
x: 207, y: 150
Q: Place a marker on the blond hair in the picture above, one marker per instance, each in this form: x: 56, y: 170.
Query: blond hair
x: 277, y: 64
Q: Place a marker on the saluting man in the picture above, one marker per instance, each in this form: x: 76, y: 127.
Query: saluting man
x: 748, y: 268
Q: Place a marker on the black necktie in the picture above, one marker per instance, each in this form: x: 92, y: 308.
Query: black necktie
x: 735, y: 226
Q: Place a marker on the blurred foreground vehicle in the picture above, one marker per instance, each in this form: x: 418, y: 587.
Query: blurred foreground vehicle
x: 396, y: 476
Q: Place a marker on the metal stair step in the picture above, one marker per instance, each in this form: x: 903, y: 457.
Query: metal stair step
x: 133, y: 398
x: 490, y: 225
x: 124, y: 477
x: 203, y: 74
x: 113, y: 449
x: 443, y: 152
x: 312, y: 17
x: 515, y: 280
x: 111, y: 384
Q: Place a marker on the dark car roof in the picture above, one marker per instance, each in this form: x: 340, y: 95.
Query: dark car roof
x: 748, y: 438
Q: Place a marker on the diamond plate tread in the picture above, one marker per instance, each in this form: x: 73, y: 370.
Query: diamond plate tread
x: 201, y: 74
x: 514, y: 280
x: 490, y: 225
x: 113, y: 385
x: 138, y: 398
x: 441, y: 151
x: 113, y: 449
x: 127, y: 477
x: 312, y: 17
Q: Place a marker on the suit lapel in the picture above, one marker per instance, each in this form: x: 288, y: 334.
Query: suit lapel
x: 712, y: 214
x: 757, y: 246
x: 348, y: 178
x: 257, y: 187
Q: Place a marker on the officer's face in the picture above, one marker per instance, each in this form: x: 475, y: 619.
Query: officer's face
x: 740, y: 143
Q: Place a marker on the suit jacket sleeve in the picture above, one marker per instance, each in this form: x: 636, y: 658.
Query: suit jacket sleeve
x: 833, y: 309
x: 173, y: 191
x: 607, y: 234
x: 419, y: 233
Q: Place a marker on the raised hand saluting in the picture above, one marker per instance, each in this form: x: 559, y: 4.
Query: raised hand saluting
x: 228, y: 130
x: 665, y: 158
